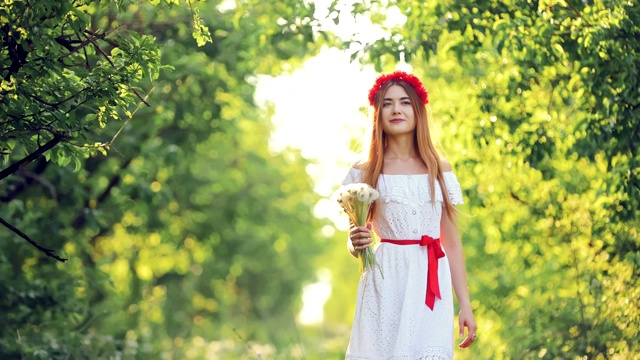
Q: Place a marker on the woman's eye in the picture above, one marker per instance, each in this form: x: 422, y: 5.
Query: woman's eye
x: 406, y: 102
x: 386, y: 104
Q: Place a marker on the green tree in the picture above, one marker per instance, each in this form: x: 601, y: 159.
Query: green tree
x: 191, y: 236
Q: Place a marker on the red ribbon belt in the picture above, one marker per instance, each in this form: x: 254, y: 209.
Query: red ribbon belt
x: 434, y: 252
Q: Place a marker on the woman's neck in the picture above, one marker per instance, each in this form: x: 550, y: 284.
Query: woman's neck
x: 400, y: 148
x: 401, y: 157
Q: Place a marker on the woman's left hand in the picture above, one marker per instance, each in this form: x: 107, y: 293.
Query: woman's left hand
x: 466, y: 320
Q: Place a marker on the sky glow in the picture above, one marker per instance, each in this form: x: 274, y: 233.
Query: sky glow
x: 320, y: 109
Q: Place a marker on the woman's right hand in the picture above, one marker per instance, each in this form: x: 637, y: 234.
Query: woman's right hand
x: 360, y: 237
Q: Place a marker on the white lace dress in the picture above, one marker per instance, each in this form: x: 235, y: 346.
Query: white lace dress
x: 392, y: 321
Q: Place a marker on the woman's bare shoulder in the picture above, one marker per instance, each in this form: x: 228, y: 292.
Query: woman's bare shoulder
x: 360, y: 165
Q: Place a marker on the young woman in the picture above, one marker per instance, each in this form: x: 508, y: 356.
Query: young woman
x: 408, y: 314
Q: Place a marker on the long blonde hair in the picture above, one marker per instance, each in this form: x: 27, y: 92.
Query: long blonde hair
x: 422, y: 142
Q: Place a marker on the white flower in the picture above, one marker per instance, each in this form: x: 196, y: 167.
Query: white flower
x: 356, y: 200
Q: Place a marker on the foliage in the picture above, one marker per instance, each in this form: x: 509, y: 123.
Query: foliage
x: 546, y: 150
x: 189, y: 238
x: 63, y: 80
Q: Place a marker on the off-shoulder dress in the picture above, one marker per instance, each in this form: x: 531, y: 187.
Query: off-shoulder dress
x: 392, y: 321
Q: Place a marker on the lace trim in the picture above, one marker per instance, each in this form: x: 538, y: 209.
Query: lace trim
x: 454, y: 190
x: 428, y: 353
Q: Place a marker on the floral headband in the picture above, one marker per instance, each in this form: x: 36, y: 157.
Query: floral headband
x: 399, y: 76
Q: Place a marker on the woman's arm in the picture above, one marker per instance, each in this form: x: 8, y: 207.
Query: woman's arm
x: 453, y: 247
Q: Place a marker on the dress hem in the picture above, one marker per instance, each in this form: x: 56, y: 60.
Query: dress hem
x: 429, y: 353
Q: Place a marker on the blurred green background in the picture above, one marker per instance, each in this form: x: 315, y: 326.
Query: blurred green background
x: 132, y: 146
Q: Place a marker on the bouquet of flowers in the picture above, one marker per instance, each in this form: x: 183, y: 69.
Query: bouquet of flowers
x: 355, y: 200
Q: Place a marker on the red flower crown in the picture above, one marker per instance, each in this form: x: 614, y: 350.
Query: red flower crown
x: 415, y: 83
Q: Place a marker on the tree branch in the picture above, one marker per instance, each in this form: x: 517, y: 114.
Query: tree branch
x: 84, y: 43
x: 518, y: 199
x: 55, y: 105
x: 57, y: 138
x: 106, y: 56
x: 40, y: 167
x: 48, y: 252
x: 113, y: 139
x: 45, y: 183
x: 80, y: 219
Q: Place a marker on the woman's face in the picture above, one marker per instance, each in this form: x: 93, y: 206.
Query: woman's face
x: 397, y: 112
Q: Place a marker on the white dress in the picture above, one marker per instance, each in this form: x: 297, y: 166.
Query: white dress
x: 391, y: 320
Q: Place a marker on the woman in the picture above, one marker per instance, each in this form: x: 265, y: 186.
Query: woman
x: 408, y: 314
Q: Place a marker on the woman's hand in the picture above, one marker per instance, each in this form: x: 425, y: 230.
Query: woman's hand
x: 466, y: 319
x: 360, y: 237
